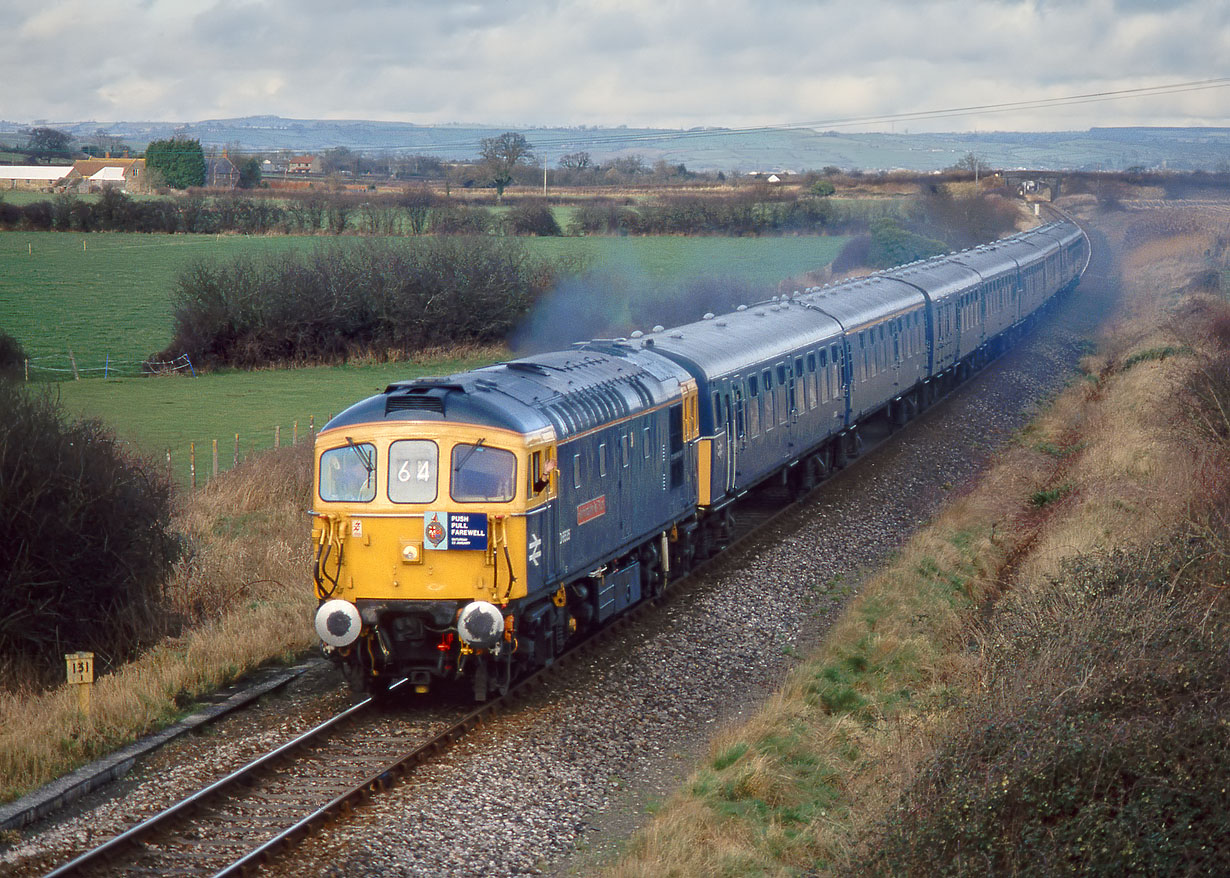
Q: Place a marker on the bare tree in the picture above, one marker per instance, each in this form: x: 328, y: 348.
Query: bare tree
x: 973, y: 163
x: 575, y: 161
x: 501, y: 155
x: 48, y: 142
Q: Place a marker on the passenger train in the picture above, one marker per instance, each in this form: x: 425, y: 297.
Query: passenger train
x: 467, y: 528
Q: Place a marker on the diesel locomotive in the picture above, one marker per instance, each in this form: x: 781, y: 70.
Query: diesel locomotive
x: 466, y: 528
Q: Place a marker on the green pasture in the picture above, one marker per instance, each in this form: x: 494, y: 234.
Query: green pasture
x: 155, y: 416
x: 107, y: 298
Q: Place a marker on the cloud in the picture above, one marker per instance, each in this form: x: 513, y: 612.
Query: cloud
x: 640, y: 62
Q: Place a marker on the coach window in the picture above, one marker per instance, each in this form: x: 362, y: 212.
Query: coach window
x: 824, y: 375
x: 753, y: 406
x: 770, y: 417
x: 811, y: 387
x: 739, y: 413
x: 482, y: 474
x: 348, y: 473
x: 412, y: 471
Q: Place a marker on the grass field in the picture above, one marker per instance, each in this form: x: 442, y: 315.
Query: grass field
x: 159, y: 414
x: 102, y: 295
x: 107, y: 298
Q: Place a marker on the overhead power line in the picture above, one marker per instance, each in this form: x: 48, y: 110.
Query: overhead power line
x: 618, y: 138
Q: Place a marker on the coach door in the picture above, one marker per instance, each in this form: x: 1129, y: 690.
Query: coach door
x: 731, y: 445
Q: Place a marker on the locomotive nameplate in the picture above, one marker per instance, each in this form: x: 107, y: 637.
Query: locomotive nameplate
x: 591, y: 509
x: 455, y: 530
x: 467, y: 530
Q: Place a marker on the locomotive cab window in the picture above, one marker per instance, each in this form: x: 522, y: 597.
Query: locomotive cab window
x: 413, y: 465
x: 348, y: 473
x: 482, y: 474
x: 541, y: 467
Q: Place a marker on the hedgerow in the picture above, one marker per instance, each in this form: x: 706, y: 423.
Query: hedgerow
x: 377, y: 299
x: 85, y: 540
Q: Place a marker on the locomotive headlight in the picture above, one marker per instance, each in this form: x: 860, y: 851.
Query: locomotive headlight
x: 411, y: 553
x: 481, y: 625
x: 338, y: 623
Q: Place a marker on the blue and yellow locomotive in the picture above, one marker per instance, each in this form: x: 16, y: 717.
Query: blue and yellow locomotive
x: 468, y: 527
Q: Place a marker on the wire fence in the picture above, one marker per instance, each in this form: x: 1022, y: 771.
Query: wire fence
x: 58, y: 367
x: 196, y: 465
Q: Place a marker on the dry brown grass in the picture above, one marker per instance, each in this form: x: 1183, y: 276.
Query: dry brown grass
x: 243, y: 596
x: 1114, y: 464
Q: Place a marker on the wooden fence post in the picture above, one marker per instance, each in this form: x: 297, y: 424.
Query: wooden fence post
x: 236, y: 449
x: 294, y: 436
x: 215, y: 475
x: 192, y: 463
x: 277, y: 436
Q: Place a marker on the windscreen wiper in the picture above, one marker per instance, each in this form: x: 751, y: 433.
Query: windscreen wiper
x: 364, y: 456
x: 468, y: 454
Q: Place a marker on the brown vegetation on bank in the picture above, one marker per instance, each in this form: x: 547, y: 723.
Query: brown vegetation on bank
x: 241, y: 596
x: 1037, y: 684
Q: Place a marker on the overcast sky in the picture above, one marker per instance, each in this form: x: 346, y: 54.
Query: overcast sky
x: 661, y: 63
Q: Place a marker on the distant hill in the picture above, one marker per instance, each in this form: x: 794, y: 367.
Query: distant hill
x: 703, y: 149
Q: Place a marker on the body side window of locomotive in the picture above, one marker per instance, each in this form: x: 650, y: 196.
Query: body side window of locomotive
x: 647, y: 443
x: 576, y: 471
x: 348, y: 473
x: 482, y: 474
x: 676, y: 444
x: 601, y: 459
x: 413, y: 465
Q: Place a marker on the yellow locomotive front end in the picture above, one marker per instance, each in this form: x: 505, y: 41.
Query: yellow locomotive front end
x: 420, y: 534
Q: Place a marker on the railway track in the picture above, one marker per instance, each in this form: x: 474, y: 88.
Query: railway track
x: 258, y: 812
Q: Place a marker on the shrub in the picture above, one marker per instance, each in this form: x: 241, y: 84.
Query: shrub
x: 12, y: 355
x: 87, y: 544
x: 854, y: 255
x: 595, y: 217
x: 36, y: 216
x: 532, y: 219
x: 457, y: 219
x: 892, y: 245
